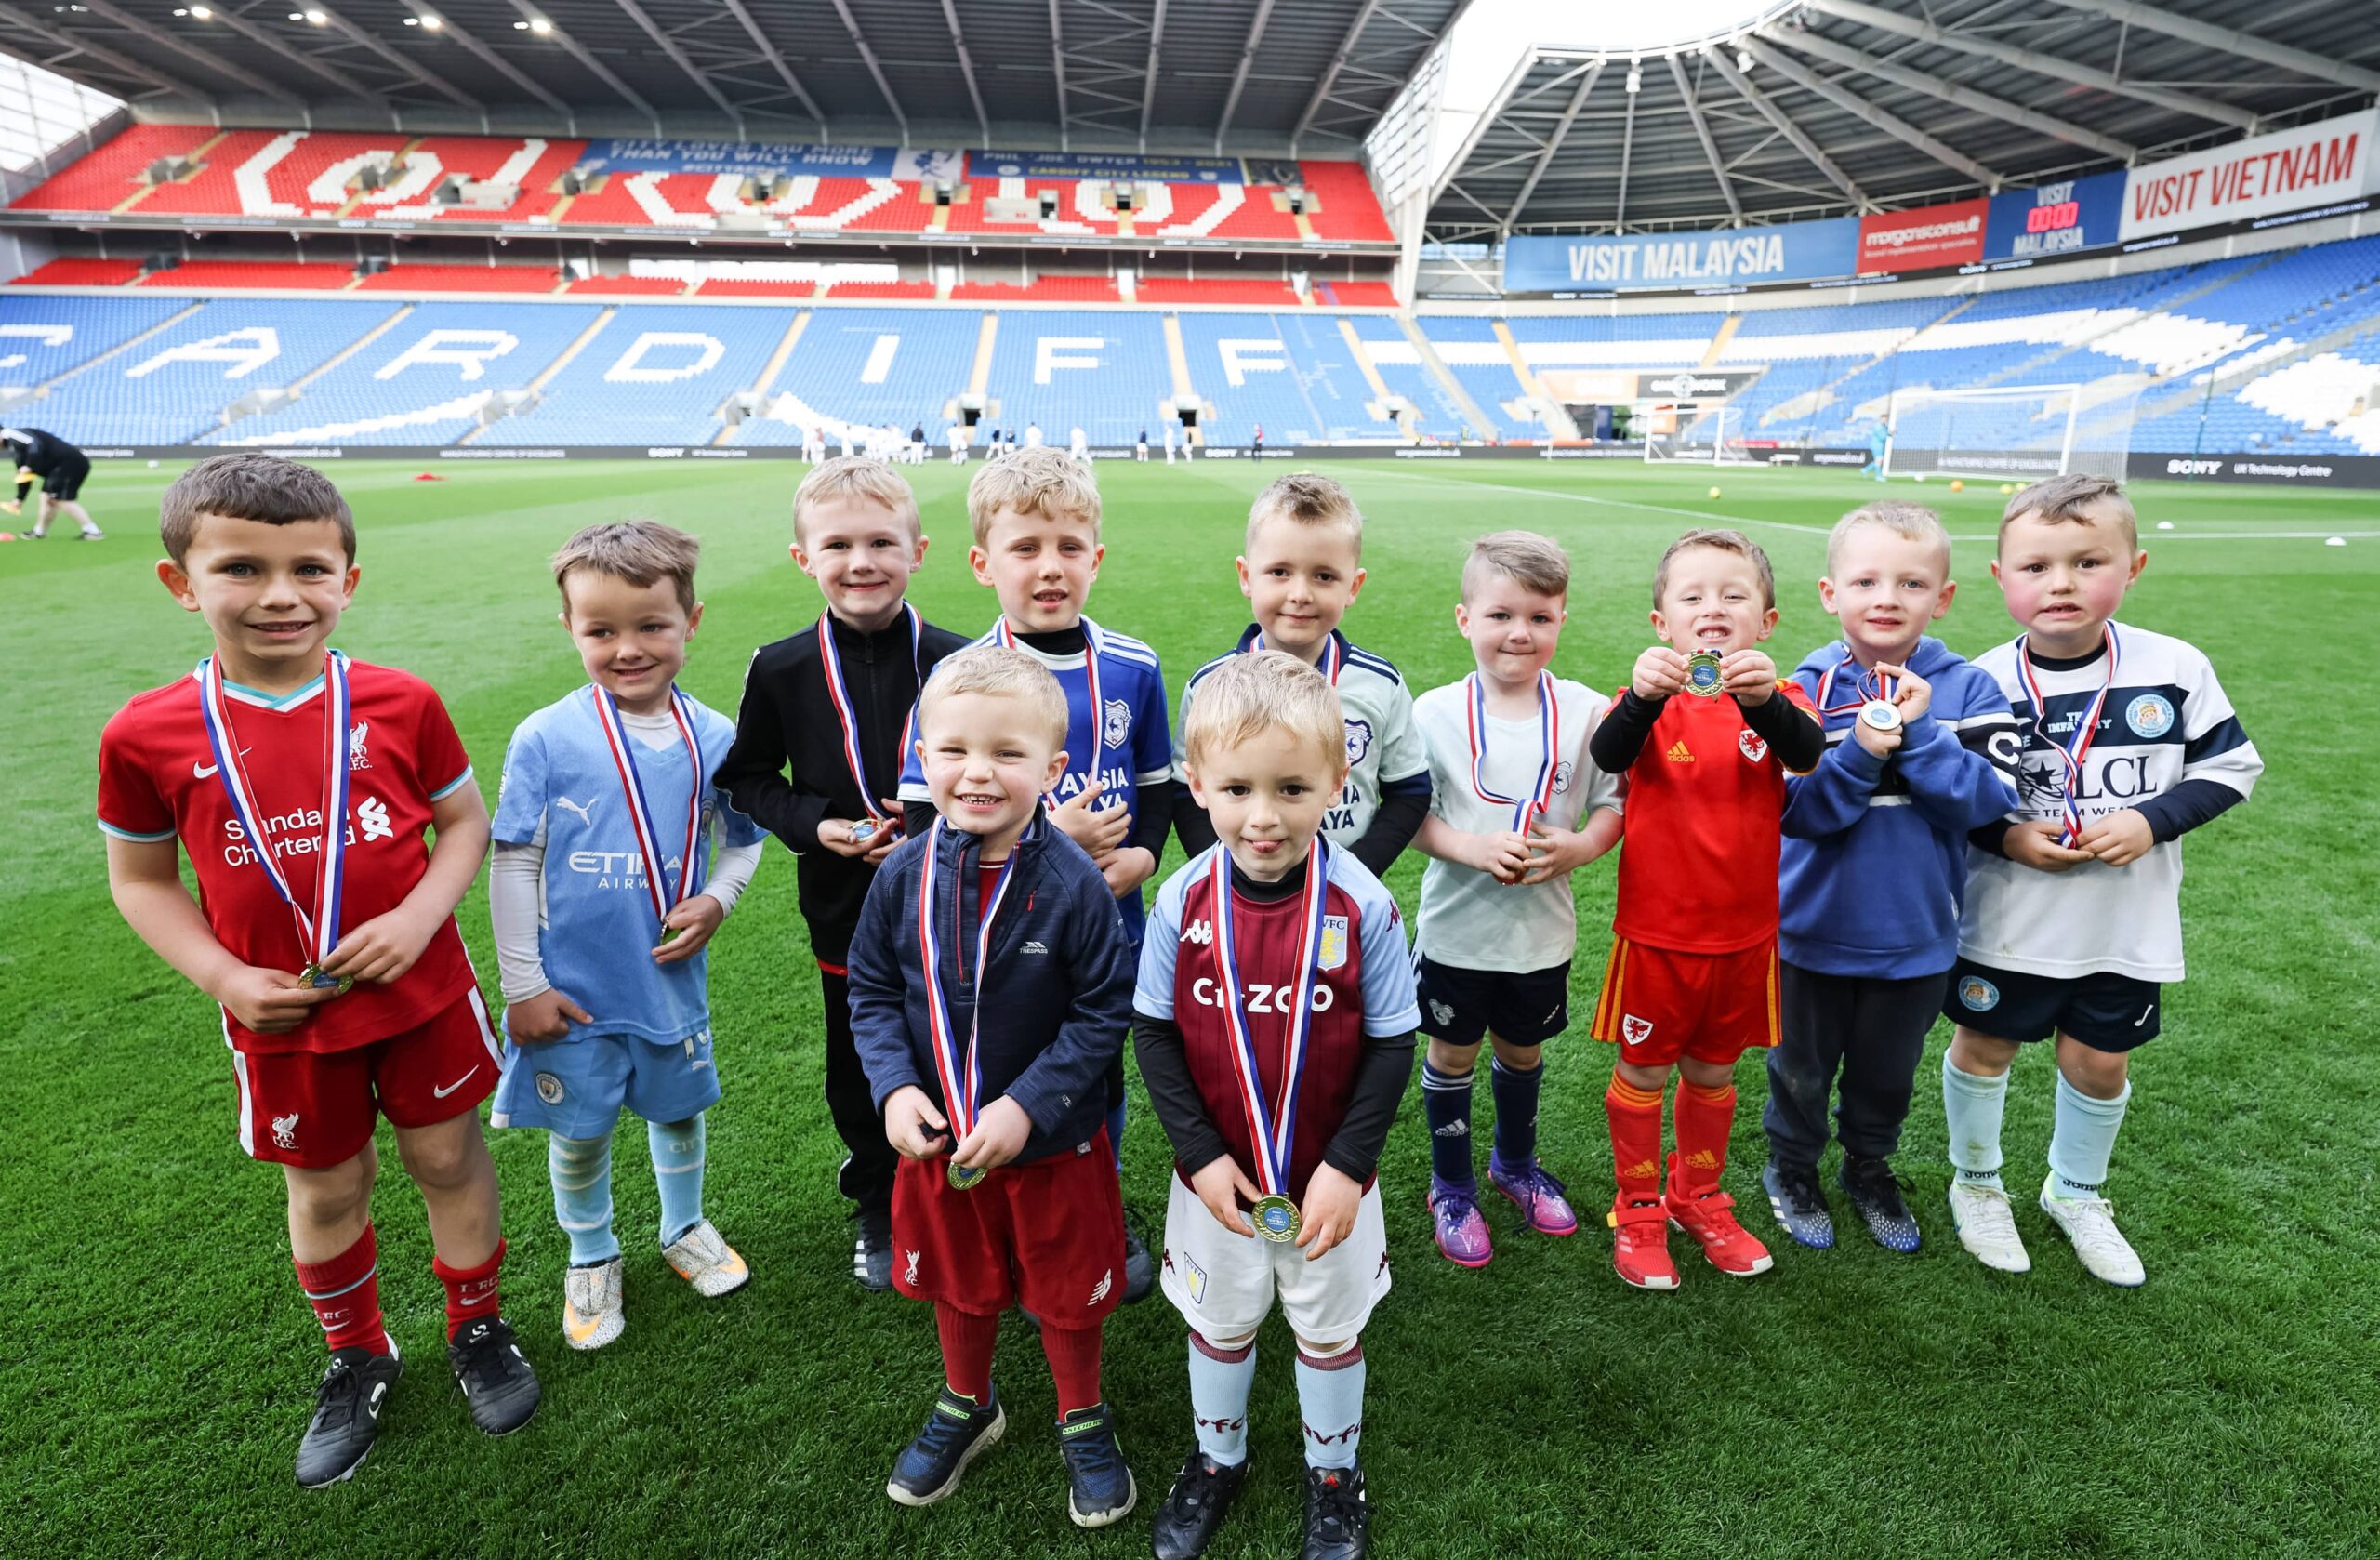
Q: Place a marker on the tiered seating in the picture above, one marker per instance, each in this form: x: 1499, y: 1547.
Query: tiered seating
x: 881, y: 289
x: 1355, y: 295
x: 1176, y: 289
x: 651, y: 286
x: 462, y: 279
x: 880, y: 367
x: 1345, y: 209
x: 80, y: 273
x: 112, y: 175
x: 422, y: 381
x: 1106, y: 372
x: 729, y: 287
x: 245, y: 275
x: 42, y: 337
x: 1042, y: 289
x: 210, y: 190
x: 1287, y: 373
x: 1472, y: 353
x: 654, y: 375
x: 1398, y: 362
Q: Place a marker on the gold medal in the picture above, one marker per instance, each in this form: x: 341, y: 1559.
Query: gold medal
x: 964, y: 1178
x: 315, y: 975
x: 1703, y: 678
x: 1276, y: 1219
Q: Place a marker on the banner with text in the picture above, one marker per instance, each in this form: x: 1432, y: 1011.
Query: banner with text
x: 1103, y: 164
x: 2055, y: 219
x: 752, y: 159
x: 2264, y: 176
x: 1734, y: 257
x: 1924, y: 239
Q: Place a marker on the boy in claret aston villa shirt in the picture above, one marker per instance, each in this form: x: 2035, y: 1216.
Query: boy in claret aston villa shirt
x: 1274, y: 1020
x: 1705, y: 732
x: 333, y: 951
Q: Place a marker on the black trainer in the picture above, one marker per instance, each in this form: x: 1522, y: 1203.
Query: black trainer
x: 347, y: 1416
x: 872, y: 1252
x: 1876, y: 1192
x: 956, y: 1432
x: 1099, y: 1486
x: 1799, y: 1203
x: 494, y: 1375
x: 1338, y: 1518
x: 1202, y: 1492
x: 1140, y: 1274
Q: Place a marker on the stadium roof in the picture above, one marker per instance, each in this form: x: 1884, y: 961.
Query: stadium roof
x: 1837, y: 106
x: 1229, y: 76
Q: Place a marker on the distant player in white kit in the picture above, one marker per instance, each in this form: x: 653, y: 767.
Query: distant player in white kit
x: 1078, y: 444
x: 814, y: 444
x: 958, y: 443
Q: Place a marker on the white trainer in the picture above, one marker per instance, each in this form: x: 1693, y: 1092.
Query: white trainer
x: 1986, y: 1227
x: 710, y: 1264
x: 591, y: 1312
x: 2090, y: 1223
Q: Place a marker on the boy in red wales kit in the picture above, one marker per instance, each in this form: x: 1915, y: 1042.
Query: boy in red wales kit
x: 333, y: 953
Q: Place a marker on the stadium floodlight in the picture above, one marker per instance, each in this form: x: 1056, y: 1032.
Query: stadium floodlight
x: 2013, y: 432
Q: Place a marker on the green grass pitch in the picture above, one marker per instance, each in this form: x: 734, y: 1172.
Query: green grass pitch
x: 159, y: 1363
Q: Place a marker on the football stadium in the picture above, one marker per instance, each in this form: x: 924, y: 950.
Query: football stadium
x: 505, y: 271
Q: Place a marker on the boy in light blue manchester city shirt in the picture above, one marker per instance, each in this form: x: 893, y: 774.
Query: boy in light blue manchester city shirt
x: 602, y: 961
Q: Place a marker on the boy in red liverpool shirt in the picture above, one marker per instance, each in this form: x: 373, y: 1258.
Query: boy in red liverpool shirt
x: 345, y: 990
x: 1705, y: 732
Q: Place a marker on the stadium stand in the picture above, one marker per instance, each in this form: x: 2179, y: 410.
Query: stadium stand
x: 653, y: 374
x: 858, y: 290
x: 1436, y: 412
x: 1106, y: 372
x: 879, y: 367
x: 42, y: 337
x: 1041, y: 289
x: 1292, y: 375
x: 462, y: 279
x: 245, y: 275
x: 1355, y: 295
x: 1176, y: 289
x: 623, y: 286
x: 114, y: 173
x: 80, y: 273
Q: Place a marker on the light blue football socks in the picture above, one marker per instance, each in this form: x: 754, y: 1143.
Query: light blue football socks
x: 1330, y: 1397
x: 1973, y: 1107
x: 677, y: 1171
x: 581, y: 1170
x: 2083, y: 1140
x: 1220, y: 1380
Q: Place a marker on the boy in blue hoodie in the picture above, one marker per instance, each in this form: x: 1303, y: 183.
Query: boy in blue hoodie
x: 1920, y: 748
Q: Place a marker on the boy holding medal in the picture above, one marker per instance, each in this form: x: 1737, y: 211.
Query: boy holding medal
x: 991, y: 985
x: 816, y: 759
x: 1274, y: 1021
x: 1706, y: 733
x: 1036, y: 518
x: 1920, y: 749
x: 1516, y: 808
x: 338, y: 768
x: 603, y: 899
x: 1301, y: 572
x: 2073, y: 909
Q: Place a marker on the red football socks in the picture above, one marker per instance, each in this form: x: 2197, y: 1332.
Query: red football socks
x: 1704, y: 1118
x: 967, y: 1342
x: 345, y: 1293
x: 1635, y: 1115
x: 470, y: 1292
x: 1073, y: 1354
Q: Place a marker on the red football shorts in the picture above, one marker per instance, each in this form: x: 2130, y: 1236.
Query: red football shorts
x: 1048, y: 1235
x: 1657, y: 1006
x: 316, y: 1109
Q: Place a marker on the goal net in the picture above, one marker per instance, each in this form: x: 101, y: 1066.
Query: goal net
x: 1693, y: 432
x: 2011, y: 433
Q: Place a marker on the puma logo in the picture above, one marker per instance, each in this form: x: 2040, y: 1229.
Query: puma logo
x: 584, y: 813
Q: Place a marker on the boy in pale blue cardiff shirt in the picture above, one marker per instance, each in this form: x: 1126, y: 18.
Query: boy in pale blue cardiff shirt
x: 1920, y: 748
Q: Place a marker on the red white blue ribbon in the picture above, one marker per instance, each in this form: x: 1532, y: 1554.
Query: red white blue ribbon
x: 1861, y: 698
x: 1272, y: 1125
x: 957, y: 1067
x: 1334, y: 654
x: 1091, y: 636
x: 847, y: 713
x: 648, y: 837
x: 317, y: 933
x: 2077, y: 746
x: 1548, y: 736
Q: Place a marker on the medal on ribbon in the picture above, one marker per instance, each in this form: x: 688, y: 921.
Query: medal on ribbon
x: 956, y: 1065
x: 1875, y: 708
x: 317, y: 933
x: 847, y: 715
x: 1549, y: 736
x: 2077, y: 746
x: 1334, y: 654
x: 1704, y: 676
x: 648, y: 837
x: 1007, y: 636
x: 1271, y: 1124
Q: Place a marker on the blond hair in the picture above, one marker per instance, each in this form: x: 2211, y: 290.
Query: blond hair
x: 643, y: 552
x: 860, y: 477
x: 1912, y: 523
x: 1041, y: 479
x: 1311, y: 499
x: 1719, y: 541
x: 998, y: 672
x: 1533, y: 563
x: 2071, y: 499
x: 1263, y: 690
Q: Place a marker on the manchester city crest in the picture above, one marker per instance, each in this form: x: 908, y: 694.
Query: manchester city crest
x: 1118, y: 725
x: 549, y: 1089
x: 1359, y: 740
x: 1334, y: 942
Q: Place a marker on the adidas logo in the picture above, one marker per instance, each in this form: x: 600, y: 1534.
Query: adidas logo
x: 1455, y: 1129
x: 1678, y: 754
x: 1643, y: 1170
x: 1198, y: 931
x: 1703, y: 1158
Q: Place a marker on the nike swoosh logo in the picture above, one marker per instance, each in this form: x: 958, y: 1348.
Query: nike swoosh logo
x: 441, y: 1094
x: 204, y: 771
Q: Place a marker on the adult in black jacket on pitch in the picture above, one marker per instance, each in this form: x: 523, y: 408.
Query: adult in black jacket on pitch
x: 61, y: 469
x: 817, y: 759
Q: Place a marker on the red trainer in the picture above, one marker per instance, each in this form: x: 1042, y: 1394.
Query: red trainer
x: 1710, y: 1219
x: 1640, y: 1245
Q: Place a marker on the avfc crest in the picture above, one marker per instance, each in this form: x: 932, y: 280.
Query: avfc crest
x: 1334, y: 943
x: 1118, y: 723
x: 1751, y: 745
x: 2151, y: 715
x: 1359, y: 741
x: 1978, y: 995
x: 1562, y: 777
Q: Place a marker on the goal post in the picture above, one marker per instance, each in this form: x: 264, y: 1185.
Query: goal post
x: 2011, y: 433
x: 1686, y: 433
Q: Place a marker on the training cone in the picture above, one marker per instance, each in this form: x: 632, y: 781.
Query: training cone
x: 7, y: 535
x: 428, y: 477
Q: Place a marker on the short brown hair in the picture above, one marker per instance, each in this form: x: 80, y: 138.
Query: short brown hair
x: 1264, y: 689
x: 1719, y: 541
x: 1308, y: 498
x: 2071, y: 499
x: 1909, y: 521
x: 643, y: 552
x: 1041, y: 479
x: 1529, y: 560
x: 861, y: 477
x: 250, y: 485
x: 997, y: 670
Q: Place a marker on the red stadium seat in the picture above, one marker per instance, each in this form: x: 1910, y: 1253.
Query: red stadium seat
x: 80, y: 273
x: 650, y: 287
x: 1356, y: 295
x: 462, y: 279
x: 230, y: 275
x: 110, y: 176
x: 1175, y: 289
x: 881, y: 289
x: 1046, y: 289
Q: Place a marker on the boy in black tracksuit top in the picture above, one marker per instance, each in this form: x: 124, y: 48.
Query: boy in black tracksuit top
x: 812, y: 701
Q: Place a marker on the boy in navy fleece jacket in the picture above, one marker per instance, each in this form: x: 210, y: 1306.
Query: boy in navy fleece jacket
x: 1920, y: 748
x: 991, y: 986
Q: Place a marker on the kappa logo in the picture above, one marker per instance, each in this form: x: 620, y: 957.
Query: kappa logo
x: 1118, y: 725
x: 586, y: 810
x: 1198, y: 931
x: 1751, y: 745
x: 1334, y: 943
x: 1634, y: 1030
x: 909, y: 1275
x: 1359, y: 740
x: 356, y: 757
x: 1679, y: 753
x: 1978, y: 995
x: 1099, y: 1290
x: 284, y: 1131
x: 372, y: 813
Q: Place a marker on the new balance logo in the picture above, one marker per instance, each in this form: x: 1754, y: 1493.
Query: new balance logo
x: 1198, y: 931
x: 586, y: 814
x: 372, y: 813
x: 1679, y: 754
x: 1099, y: 1290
